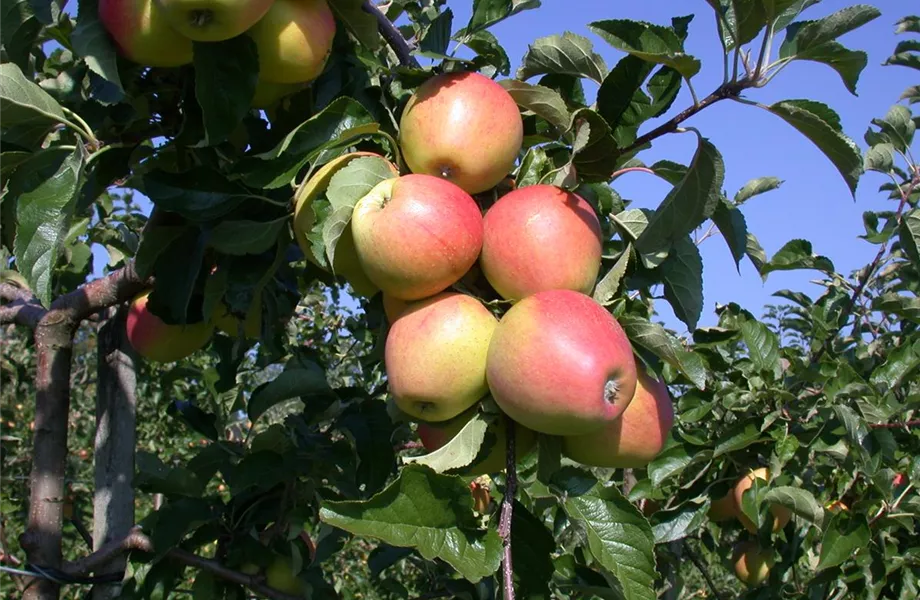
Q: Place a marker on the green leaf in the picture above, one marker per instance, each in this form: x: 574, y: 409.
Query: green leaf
x: 92, y: 42
x: 534, y: 166
x: 677, y: 524
x: 849, y: 64
x: 246, y: 237
x: 201, y: 194
x: 25, y: 104
x: 897, y: 127
x: 733, y: 227
x: 690, y: 203
x: 225, y: 81
x: 459, y: 452
x: 672, y: 461
x: 809, y: 34
x: 736, y: 438
x: 489, y: 12
x: 801, y: 502
x: 649, y: 42
x: 45, y: 188
x: 908, y: 24
x: 797, y: 254
x: 821, y: 125
x: 658, y: 341
x: 901, y: 363
x: 904, y: 57
x: 682, y: 274
x: 846, y: 535
x: 301, y: 377
x: 532, y: 548
x: 566, y: 54
x: 359, y: 23
x: 903, y: 306
x: 755, y: 252
x: 619, y: 537
x: 427, y: 511
x: 880, y: 157
x: 909, y: 234
x: 541, y: 101
x: 607, y: 288
x: 763, y: 346
x: 437, y: 35
x: 755, y: 187
x: 748, y: 19
x: 620, y: 98
x: 19, y: 31
x: 489, y: 51
x: 594, y: 150
x: 354, y: 181
x: 155, y: 476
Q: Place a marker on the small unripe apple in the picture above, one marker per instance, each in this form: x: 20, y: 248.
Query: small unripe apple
x: 142, y: 33
x: 633, y: 440
x: 294, y: 40
x: 781, y: 514
x: 213, y: 20
x: 538, y: 238
x: 435, y: 356
x: 416, y: 235
x: 752, y: 563
x: 560, y: 364
x: 158, y: 341
x: 435, y: 435
x: 463, y: 127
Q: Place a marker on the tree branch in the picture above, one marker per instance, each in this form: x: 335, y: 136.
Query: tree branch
x: 702, y: 569
x: 394, y: 38
x: 22, y: 313
x: 91, y: 297
x: 504, y: 525
x: 898, y: 425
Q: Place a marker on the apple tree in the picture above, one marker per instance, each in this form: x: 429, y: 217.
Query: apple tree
x: 373, y: 321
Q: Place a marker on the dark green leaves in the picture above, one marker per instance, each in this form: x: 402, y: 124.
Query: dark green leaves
x: 566, y: 54
x: 27, y: 106
x: 659, y: 342
x: 682, y: 273
x: 797, y: 254
x: 225, y: 81
x: 809, y: 34
x: 92, y: 42
x: 801, y: 502
x: 489, y: 12
x: 542, y: 101
x: 733, y: 227
x: 361, y: 24
x: 649, y: 42
x: 821, y: 125
x: 46, y: 188
x: 301, y: 377
x: 199, y: 194
x: 607, y: 287
x: 846, y: 535
x: 246, y: 237
x: 763, y: 346
x: 427, y: 511
x: 909, y: 232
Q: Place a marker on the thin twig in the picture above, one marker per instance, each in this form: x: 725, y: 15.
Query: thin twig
x: 81, y: 529
x: 702, y: 569
x: 898, y: 425
x: 504, y: 525
x: 392, y: 35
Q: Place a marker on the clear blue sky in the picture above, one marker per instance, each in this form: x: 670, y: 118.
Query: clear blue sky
x: 813, y: 203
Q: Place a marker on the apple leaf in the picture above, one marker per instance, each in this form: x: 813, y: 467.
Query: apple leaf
x: 733, y: 227
x: 27, y: 106
x: 427, y: 511
x: 200, y: 194
x: 651, y: 43
x: 901, y: 363
x: 19, y: 30
x: 849, y: 64
x: 532, y: 548
x: 487, y: 13
x: 736, y: 438
x: 682, y: 273
x: 534, y: 166
x: 755, y: 252
x: 677, y: 524
x: 846, y: 535
x: 594, y: 149
x: 801, y: 502
x: 909, y: 234
x: 797, y: 254
x: 460, y: 451
x: 566, y: 54
x: 673, y: 460
x: 763, y: 347
x: 658, y: 341
x: 246, y: 237
x: 301, y: 377
x: 607, y: 288
x: 225, y: 81
x: 619, y: 537
x: 542, y: 101
x: 489, y: 51
x: 755, y: 187
x: 620, y: 95
x: 361, y: 24
x: 806, y: 35
x: 92, y: 42
x: 354, y: 181
x: 45, y: 189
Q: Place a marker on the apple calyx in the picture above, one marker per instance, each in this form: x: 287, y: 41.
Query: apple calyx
x: 611, y: 391
x: 200, y: 17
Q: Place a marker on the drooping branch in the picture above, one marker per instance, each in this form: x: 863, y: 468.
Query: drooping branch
x: 394, y: 38
x: 115, y: 288
x: 504, y: 524
x: 135, y: 540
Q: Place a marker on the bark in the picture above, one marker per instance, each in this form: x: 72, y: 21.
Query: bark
x: 116, y: 419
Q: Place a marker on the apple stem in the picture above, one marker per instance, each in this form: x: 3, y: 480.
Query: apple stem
x: 504, y: 526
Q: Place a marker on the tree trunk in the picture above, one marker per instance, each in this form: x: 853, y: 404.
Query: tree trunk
x: 116, y: 417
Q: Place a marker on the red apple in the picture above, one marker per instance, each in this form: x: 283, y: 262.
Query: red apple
x: 463, y: 127
x: 435, y: 356
x: 633, y: 440
x: 781, y: 514
x: 560, y: 364
x: 142, y: 33
x: 158, y: 341
x: 538, y: 238
x: 416, y: 235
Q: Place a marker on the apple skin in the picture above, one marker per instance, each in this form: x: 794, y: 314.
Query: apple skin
x: 142, y: 33
x: 416, y: 235
x: 463, y: 127
x: 435, y: 356
x: 723, y: 509
x: 393, y: 307
x: 752, y: 563
x: 781, y: 514
x: 230, y: 324
x: 435, y: 436
x: 268, y: 93
x: 158, y: 341
x: 560, y: 364
x: 279, y: 576
x: 538, y: 238
x: 213, y: 20
x: 633, y: 440
x: 294, y: 40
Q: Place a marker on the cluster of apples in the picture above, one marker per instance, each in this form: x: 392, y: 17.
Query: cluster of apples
x: 293, y: 38
x: 557, y: 362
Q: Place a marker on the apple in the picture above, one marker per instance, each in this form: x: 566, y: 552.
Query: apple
x: 393, y: 307
x: 280, y: 576
x: 781, y: 514
x: 633, y: 440
x: 416, y: 235
x: 723, y: 509
x: 435, y: 356
x: 294, y: 40
x: 268, y: 92
x: 213, y: 20
x: 158, y: 341
x: 560, y: 364
x: 463, y: 127
x: 435, y: 435
x: 752, y: 563
x: 251, y: 325
x: 142, y: 33
x: 538, y: 238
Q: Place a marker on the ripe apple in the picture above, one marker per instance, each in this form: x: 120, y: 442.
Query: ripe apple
x: 436, y: 435
x: 161, y: 342
x: 723, y: 509
x: 213, y: 20
x: 393, y: 307
x: 560, y: 364
x: 463, y: 127
x: 752, y: 563
x: 268, y: 93
x: 635, y: 438
x: 294, y: 40
x: 416, y: 235
x: 142, y: 33
x: 781, y: 514
x: 540, y: 237
x: 230, y: 324
x: 435, y: 356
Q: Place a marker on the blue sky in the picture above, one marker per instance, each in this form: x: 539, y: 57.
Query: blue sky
x: 813, y: 203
